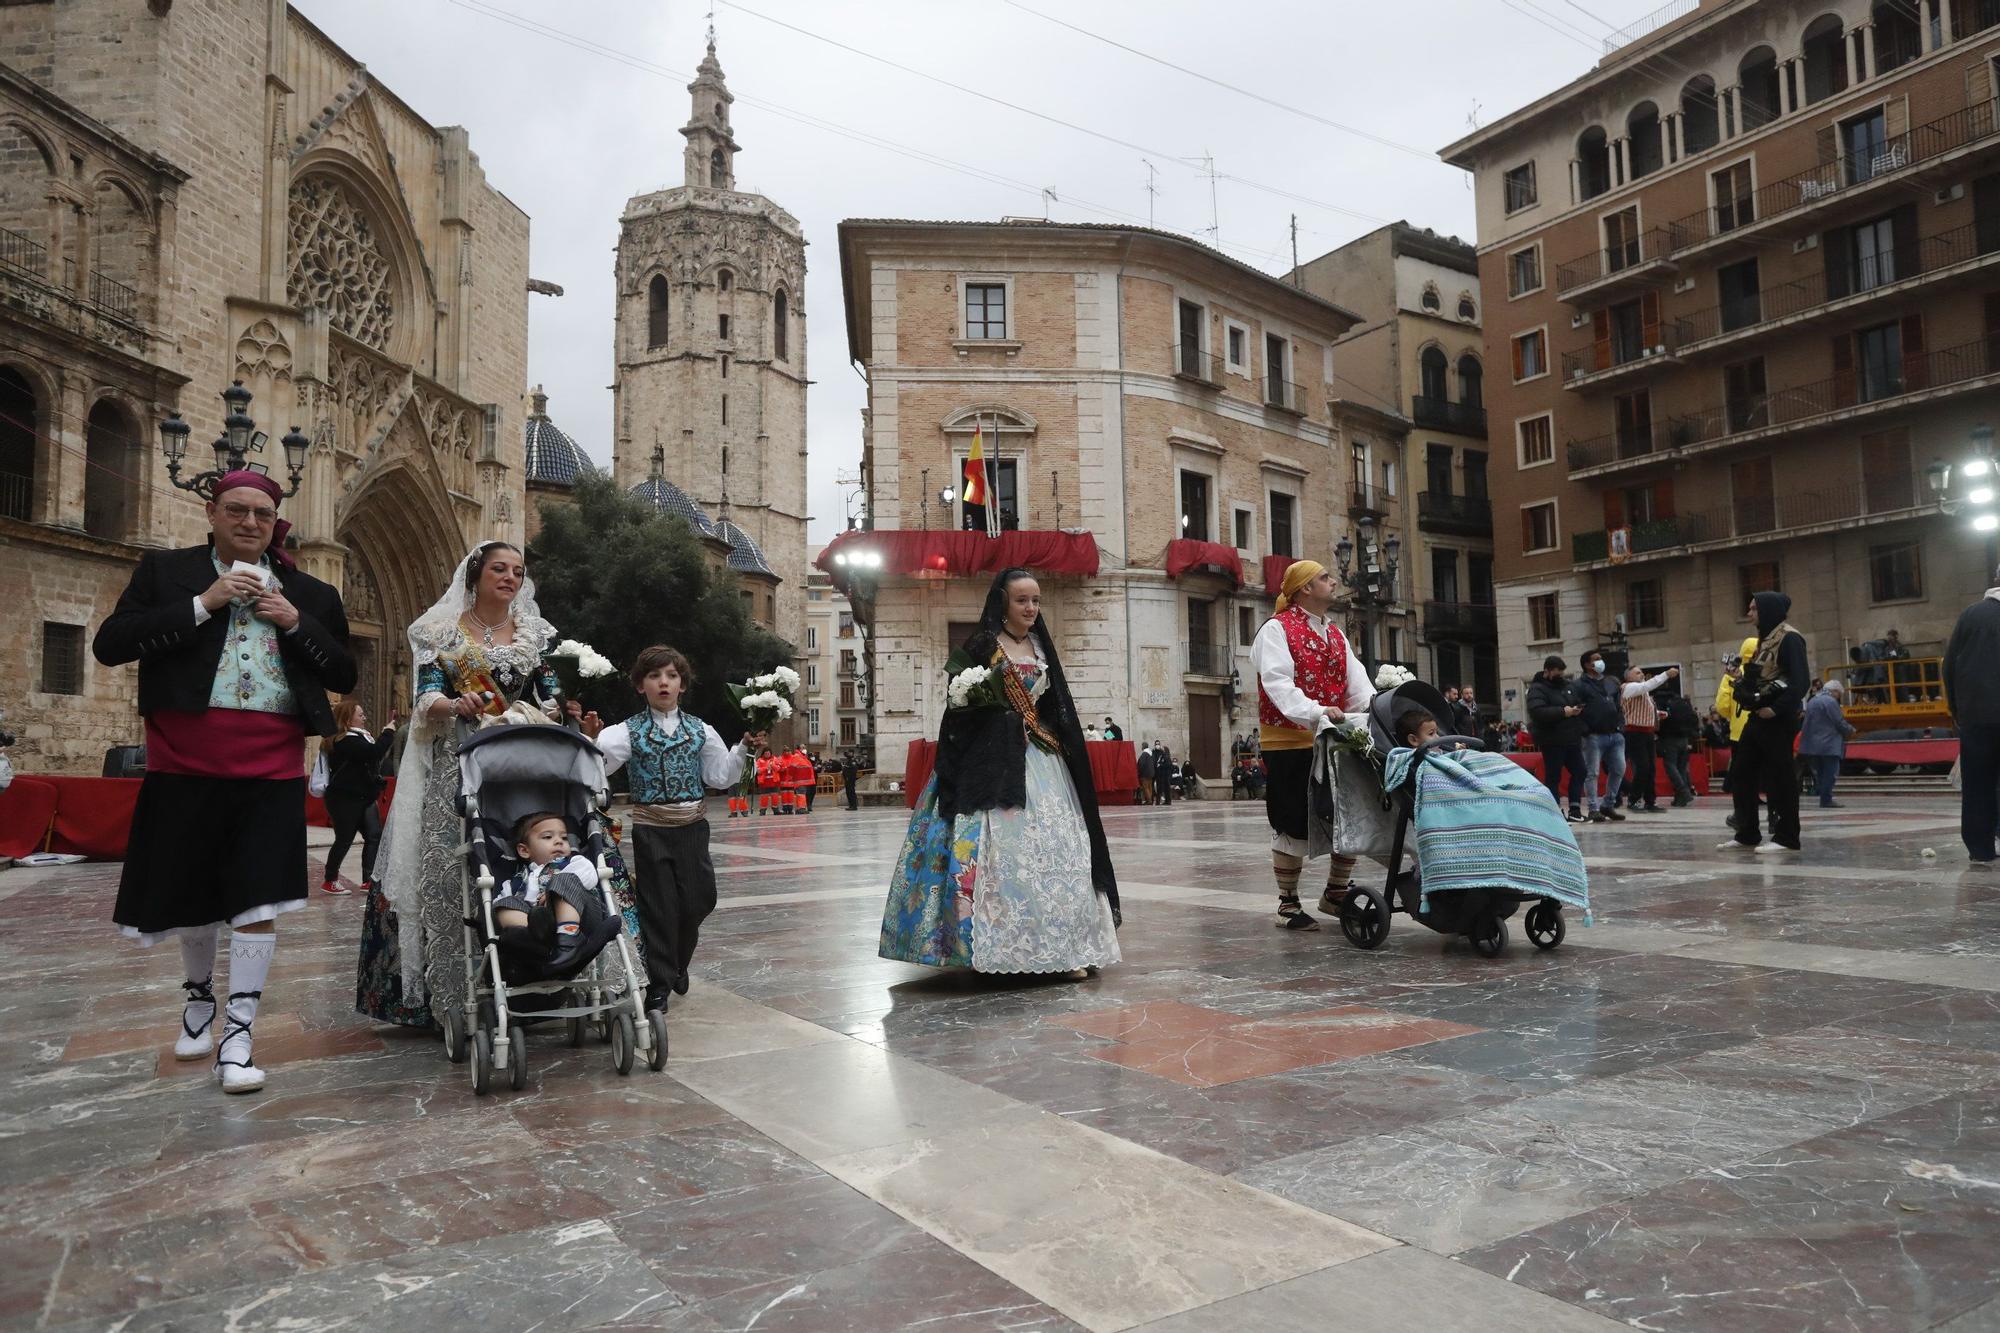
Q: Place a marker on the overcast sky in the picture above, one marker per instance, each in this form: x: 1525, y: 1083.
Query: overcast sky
x: 574, y: 107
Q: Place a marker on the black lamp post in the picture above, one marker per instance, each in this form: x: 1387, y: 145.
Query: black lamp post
x: 240, y: 438
x: 1372, y: 582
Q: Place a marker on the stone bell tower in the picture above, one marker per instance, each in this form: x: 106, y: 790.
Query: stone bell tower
x: 711, y: 346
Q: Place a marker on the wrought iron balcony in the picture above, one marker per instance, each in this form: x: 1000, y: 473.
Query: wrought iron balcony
x: 1284, y: 395
x: 1467, y: 515
x: 1626, y: 265
x: 1208, y: 659
x: 1191, y: 363
x: 1365, y: 501
x: 1442, y: 414
x: 1459, y: 620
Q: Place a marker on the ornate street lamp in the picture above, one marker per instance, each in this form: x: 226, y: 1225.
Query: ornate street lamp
x: 240, y: 438
x: 1373, y: 580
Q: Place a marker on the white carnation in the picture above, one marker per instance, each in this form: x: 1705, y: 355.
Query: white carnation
x: 783, y: 709
x: 787, y: 678
x: 1390, y: 676
x: 965, y: 682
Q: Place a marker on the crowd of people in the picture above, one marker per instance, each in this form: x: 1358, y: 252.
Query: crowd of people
x: 1004, y: 868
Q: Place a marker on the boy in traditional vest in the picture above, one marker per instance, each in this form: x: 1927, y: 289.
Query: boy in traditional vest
x: 1306, y: 675
x: 675, y: 759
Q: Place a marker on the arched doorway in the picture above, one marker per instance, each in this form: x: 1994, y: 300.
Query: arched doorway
x: 402, y: 545
x: 112, y: 463
x: 20, y: 422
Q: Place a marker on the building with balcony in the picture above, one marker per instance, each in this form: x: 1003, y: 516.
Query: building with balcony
x: 1163, y: 433
x: 294, y: 225
x: 1419, y: 352
x: 1738, y: 314
x: 833, y: 669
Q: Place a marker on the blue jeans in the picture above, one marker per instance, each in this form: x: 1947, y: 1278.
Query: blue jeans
x: 1606, y: 751
x: 1825, y: 767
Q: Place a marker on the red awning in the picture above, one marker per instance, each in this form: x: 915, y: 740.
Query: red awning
x: 948, y: 554
x: 1186, y: 553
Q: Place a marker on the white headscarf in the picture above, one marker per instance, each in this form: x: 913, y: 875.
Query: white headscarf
x: 432, y: 634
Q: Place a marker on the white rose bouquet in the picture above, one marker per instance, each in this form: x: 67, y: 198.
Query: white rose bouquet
x: 975, y: 687
x: 765, y: 701
x: 1389, y: 676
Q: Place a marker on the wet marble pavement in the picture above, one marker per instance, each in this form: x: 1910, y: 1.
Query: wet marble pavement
x: 1752, y: 1096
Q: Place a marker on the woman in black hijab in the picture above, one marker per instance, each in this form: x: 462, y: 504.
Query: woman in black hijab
x: 1005, y: 867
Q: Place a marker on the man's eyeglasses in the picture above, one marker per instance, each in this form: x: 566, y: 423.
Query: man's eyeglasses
x: 239, y: 512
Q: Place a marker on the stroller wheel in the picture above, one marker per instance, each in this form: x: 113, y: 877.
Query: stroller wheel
x: 482, y: 1062
x: 577, y: 1027
x: 1545, y: 924
x: 656, y: 1058
x: 1489, y: 936
x: 624, y: 1037
x: 517, y: 1057
x: 453, y: 1023
x: 1364, y: 918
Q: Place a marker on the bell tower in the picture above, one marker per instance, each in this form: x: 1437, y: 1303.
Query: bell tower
x: 710, y: 159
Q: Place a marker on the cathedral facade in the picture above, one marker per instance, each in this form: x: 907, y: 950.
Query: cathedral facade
x: 710, y: 388
x: 282, y: 220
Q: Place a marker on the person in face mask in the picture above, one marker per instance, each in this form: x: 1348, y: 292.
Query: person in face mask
x: 1555, y: 713
x: 1771, y: 689
x: 1604, y: 738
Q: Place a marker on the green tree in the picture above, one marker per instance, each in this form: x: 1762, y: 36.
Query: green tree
x: 617, y: 574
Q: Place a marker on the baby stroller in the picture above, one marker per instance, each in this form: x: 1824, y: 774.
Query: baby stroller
x: 1479, y: 914
x: 504, y: 773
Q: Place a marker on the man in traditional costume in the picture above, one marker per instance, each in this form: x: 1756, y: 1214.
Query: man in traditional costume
x: 237, y: 651
x: 1307, y: 678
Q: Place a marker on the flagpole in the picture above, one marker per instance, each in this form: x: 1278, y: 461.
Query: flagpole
x: 993, y: 484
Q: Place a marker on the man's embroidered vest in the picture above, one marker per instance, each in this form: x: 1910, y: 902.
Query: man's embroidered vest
x: 1319, y: 667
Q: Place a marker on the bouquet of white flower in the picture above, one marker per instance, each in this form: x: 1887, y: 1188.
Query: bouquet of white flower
x: 975, y: 687
x: 1390, y: 676
x: 1347, y: 736
x: 590, y: 664
x: 765, y: 701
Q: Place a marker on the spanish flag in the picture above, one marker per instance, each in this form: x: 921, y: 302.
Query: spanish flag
x: 975, y: 470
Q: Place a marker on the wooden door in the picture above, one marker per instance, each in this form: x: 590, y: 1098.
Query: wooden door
x: 1205, y: 734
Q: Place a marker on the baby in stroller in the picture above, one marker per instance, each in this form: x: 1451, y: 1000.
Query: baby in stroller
x: 549, y: 919
x: 1488, y: 837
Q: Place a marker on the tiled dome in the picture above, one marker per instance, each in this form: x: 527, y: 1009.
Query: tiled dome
x: 743, y: 553
x: 552, y: 456
x: 668, y: 498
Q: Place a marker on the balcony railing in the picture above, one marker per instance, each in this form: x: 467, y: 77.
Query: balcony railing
x: 17, y: 495
x: 1865, y: 274
x: 1191, y: 363
x: 23, y: 254
x: 1208, y: 659
x: 1458, y: 619
x: 1652, y: 246
x: 114, y: 296
x: 1363, y: 499
x: 1764, y: 515
x: 1284, y: 395
x: 1440, y: 511
x: 1657, y: 534
x: 1443, y: 414
x: 1816, y: 184
x: 1623, y: 352
x: 1619, y: 445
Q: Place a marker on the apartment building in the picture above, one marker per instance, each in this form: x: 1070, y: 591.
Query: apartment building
x: 1742, y: 286
x: 834, y: 688
x: 1418, y: 351
x: 1164, y: 434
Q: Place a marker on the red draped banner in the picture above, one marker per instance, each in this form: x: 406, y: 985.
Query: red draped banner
x: 950, y: 554
x: 1186, y: 553
x: 1274, y: 572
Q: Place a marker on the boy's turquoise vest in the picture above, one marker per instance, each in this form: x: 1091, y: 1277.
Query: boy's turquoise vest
x: 666, y: 768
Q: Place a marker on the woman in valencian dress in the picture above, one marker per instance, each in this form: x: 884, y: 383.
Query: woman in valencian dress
x: 1005, y: 867
x: 480, y: 650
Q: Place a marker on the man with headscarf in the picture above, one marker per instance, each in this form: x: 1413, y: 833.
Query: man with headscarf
x: 1972, y: 691
x: 1307, y: 678
x: 237, y: 651
x: 1771, y: 689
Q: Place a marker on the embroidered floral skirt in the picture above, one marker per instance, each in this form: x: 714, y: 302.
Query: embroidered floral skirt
x: 1000, y: 890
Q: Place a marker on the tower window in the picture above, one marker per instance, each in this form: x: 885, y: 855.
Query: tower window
x: 725, y: 409
x: 725, y: 367
x: 722, y: 327
x: 724, y: 280
x: 780, y: 308
x: 717, y: 172
x: 656, y: 312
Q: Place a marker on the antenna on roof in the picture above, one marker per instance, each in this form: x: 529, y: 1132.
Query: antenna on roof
x: 1152, y: 190
x: 1214, y: 219
x: 1048, y: 197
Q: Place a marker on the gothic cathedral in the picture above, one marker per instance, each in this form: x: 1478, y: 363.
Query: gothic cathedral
x: 710, y: 393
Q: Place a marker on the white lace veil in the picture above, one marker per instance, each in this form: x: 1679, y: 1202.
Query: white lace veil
x: 431, y: 634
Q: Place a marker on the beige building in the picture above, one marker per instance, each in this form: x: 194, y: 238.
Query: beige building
x: 834, y: 699
x: 1419, y: 351
x: 1153, y: 405
x: 198, y: 193
x: 1742, y: 286
x: 711, y: 355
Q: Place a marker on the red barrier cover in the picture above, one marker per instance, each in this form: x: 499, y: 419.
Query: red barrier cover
x: 93, y: 816
x: 27, y: 809
x: 1114, y: 770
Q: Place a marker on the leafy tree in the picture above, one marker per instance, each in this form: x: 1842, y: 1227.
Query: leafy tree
x: 617, y: 574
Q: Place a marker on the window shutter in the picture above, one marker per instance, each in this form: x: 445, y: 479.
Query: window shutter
x: 1896, y: 120
x: 1829, y: 145
x: 1663, y: 498
x: 1843, y: 370
x: 1837, y: 244
x: 1992, y: 332
x: 1978, y: 79
x: 1600, y: 340
x: 1527, y: 529
x: 1916, y: 366
x: 1517, y: 358
x: 1903, y: 227
x: 1649, y: 318
x: 1614, y: 510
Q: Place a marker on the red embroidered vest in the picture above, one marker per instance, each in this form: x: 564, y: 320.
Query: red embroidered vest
x: 1319, y: 667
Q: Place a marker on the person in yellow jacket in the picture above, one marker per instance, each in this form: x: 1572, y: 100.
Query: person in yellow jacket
x: 1725, y: 703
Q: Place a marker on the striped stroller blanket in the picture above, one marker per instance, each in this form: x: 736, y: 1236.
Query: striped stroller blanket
x: 1484, y: 822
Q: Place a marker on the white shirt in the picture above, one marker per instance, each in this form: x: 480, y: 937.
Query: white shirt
x: 1633, y: 689
x: 721, y: 765
x: 576, y: 863
x: 1271, y: 658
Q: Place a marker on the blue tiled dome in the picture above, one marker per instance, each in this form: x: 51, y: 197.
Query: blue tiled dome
x: 668, y: 498
x: 552, y: 456
x: 743, y: 553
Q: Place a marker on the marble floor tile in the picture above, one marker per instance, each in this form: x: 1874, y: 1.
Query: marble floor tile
x: 710, y: 1023
x: 1402, y: 1290
x: 1109, y: 1233
x: 1960, y: 1021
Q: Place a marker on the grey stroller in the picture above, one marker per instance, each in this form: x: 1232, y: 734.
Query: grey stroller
x: 504, y: 773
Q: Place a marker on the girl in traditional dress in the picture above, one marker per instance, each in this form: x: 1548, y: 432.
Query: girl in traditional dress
x: 479, y: 650
x: 1005, y: 867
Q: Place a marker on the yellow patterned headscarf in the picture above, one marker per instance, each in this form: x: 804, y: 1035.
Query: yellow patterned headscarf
x: 1297, y: 575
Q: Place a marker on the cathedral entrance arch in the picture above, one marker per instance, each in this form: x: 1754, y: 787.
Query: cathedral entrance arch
x: 402, y: 544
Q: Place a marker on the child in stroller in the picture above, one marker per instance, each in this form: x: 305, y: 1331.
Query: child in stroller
x: 549, y: 918
x: 1488, y: 837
